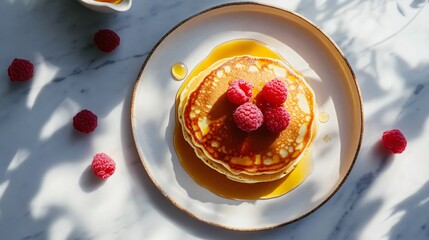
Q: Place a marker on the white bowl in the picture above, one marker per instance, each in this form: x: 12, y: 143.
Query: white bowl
x: 106, y: 7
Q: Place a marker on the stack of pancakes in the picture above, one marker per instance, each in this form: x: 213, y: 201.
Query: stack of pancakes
x: 259, y: 156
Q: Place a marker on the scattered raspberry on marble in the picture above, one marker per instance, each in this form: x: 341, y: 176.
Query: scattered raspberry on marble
x: 106, y: 40
x: 239, y: 92
x: 20, y: 70
x: 394, y: 141
x: 103, y: 166
x: 85, y: 121
x: 275, y: 92
x: 248, y: 117
x: 276, y: 119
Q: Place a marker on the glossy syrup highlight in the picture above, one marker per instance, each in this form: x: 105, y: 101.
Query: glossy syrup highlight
x: 211, y: 179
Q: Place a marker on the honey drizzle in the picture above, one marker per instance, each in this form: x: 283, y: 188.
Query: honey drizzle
x: 211, y: 179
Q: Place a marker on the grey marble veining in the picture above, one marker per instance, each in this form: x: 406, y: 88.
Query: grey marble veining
x: 48, y: 192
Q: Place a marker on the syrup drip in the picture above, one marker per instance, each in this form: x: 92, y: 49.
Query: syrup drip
x: 211, y: 179
x: 323, y: 117
x: 179, y: 71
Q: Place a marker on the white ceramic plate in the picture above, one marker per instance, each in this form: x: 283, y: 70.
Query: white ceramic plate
x: 309, y: 51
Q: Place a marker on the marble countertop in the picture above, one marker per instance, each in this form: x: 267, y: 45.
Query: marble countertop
x: 47, y: 190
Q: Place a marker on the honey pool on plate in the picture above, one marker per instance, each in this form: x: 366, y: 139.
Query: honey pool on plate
x: 211, y: 179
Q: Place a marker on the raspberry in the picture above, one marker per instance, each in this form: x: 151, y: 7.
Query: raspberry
x: 106, y: 40
x: 275, y: 92
x: 85, y: 121
x: 276, y: 119
x: 394, y: 141
x: 103, y: 166
x: 248, y: 117
x: 239, y: 92
x: 20, y: 70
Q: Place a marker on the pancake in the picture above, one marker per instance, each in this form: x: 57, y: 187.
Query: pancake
x: 259, y: 156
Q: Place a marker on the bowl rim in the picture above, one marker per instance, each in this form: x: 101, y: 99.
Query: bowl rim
x: 122, y: 6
